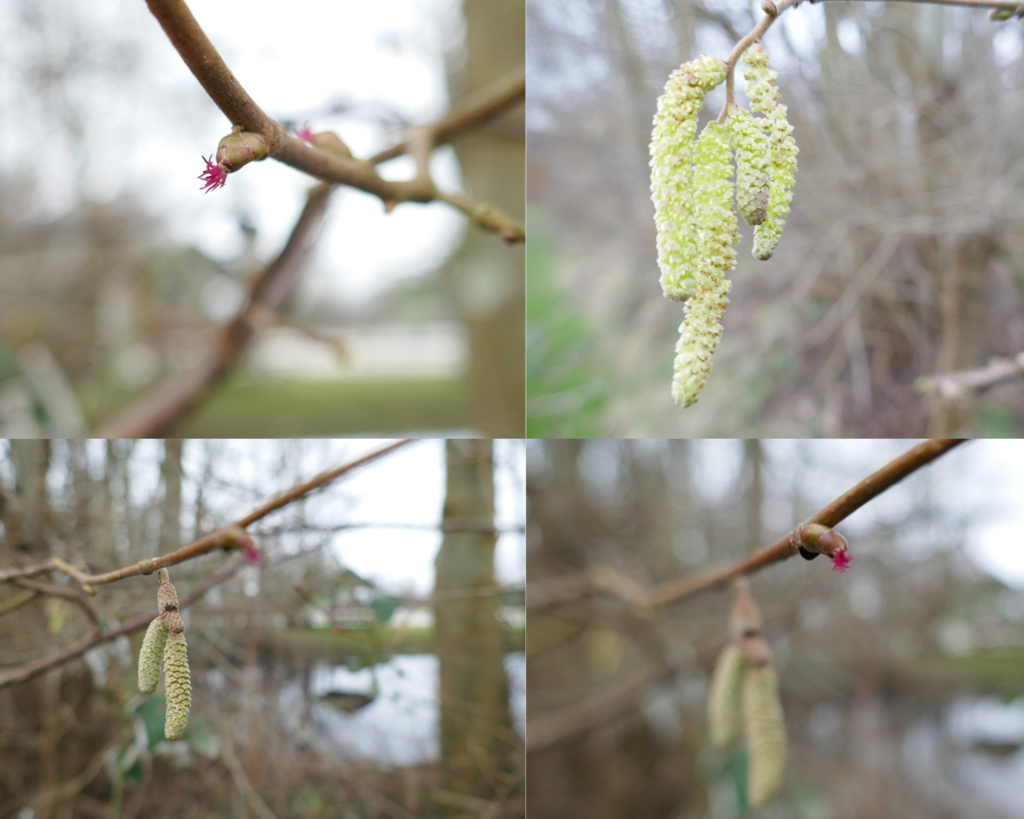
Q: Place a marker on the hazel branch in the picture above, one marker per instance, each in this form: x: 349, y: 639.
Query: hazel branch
x: 232, y: 536
x: 213, y: 74
x: 607, y: 580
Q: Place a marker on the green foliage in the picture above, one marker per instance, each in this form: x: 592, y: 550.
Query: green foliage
x: 384, y: 607
x: 564, y: 383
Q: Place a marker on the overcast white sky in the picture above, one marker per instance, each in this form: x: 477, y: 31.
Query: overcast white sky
x: 145, y: 129
x: 984, y: 475
x: 406, y: 487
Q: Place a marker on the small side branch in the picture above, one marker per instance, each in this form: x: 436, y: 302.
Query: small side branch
x: 961, y: 384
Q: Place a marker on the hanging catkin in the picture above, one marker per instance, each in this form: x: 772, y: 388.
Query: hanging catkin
x: 178, y: 686
x: 765, y: 733
x: 150, y: 656
x: 764, y: 97
x: 724, y: 708
x: 672, y: 182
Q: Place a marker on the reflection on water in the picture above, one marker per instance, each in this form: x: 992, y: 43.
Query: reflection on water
x: 398, y: 725
x: 974, y: 758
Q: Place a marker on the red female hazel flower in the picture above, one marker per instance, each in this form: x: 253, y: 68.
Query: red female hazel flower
x: 214, y: 176
x: 840, y: 562
x: 305, y: 133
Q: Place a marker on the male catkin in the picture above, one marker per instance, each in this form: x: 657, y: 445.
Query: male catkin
x: 764, y: 97
x: 724, y: 696
x: 765, y: 733
x: 753, y: 159
x: 715, y: 217
x: 178, y: 685
x: 672, y: 183
x: 150, y: 656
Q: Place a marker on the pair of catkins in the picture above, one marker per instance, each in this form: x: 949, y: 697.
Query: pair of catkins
x: 696, y: 201
x: 165, y: 641
x: 743, y: 700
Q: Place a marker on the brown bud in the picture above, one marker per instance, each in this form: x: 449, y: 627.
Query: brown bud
x: 166, y: 598
x: 331, y: 142
x: 172, y: 619
x: 769, y: 8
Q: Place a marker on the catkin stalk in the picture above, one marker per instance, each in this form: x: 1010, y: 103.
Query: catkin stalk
x: 150, y: 656
x: 765, y: 732
x: 178, y: 685
x: 724, y: 697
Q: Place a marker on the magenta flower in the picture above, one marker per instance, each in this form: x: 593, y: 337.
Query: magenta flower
x: 840, y: 562
x: 252, y: 556
x: 305, y: 133
x: 213, y: 176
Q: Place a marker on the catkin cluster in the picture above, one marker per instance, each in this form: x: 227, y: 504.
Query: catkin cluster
x: 696, y: 201
x: 165, y: 641
x: 743, y: 700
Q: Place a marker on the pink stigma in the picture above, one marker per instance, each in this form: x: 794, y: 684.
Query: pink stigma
x: 252, y: 556
x: 213, y: 176
x: 305, y: 133
x: 840, y: 562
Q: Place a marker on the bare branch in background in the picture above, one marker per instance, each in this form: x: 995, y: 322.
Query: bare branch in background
x: 962, y: 383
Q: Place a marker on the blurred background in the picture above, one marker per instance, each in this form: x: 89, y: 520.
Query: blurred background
x: 902, y: 681
x: 903, y: 255
x: 370, y: 664
x: 116, y: 271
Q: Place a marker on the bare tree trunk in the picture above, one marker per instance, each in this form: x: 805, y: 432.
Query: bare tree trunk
x: 170, y: 473
x: 491, y: 289
x: 475, y: 718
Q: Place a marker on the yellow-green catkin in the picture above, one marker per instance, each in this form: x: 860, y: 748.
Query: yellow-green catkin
x: 715, y: 217
x: 724, y: 697
x: 765, y: 732
x: 764, y: 97
x: 752, y: 162
x: 672, y: 182
x: 151, y: 654
x: 178, y: 686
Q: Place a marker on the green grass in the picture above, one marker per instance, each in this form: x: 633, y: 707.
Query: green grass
x: 269, y: 409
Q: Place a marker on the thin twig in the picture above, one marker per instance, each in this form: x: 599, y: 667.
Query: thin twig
x: 238, y: 776
x: 59, y: 591
x: 472, y: 112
